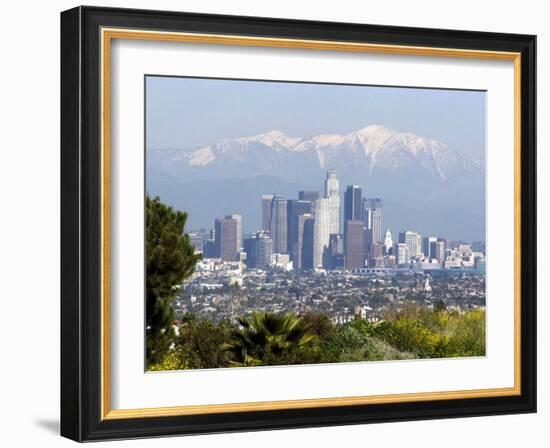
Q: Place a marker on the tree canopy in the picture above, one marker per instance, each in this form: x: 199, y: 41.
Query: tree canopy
x: 170, y: 259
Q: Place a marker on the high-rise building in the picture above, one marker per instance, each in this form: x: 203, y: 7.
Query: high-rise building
x: 303, y: 248
x: 388, y: 242
x: 264, y: 249
x: 413, y: 241
x: 308, y: 195
x: 332, y: 192
x: 440, y: 250
x: 354, y: 244
x: 249, y: 247
x: 307, y: 245
x: 266, y: 212
x: 196, y: 240
x: 321, y: 230
x: 429, y: 246
x: 353, y: 204
x: 258, y: 250
x: 338, y: 262
x: 295, y: 208
x: 209, y: 249
x: 239, y: 220
x: 335, y: 251
x: 226, y: 239
x: 374, y: 253
x: 401, y: 252
x: 279, y: 224
x: 372, y: 214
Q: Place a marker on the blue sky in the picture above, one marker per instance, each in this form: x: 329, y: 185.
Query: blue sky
x: 188, y: 112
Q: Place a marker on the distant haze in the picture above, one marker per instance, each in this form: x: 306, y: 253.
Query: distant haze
x: 214, y: 146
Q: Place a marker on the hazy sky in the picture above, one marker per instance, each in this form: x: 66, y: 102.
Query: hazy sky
x: 188, y: 112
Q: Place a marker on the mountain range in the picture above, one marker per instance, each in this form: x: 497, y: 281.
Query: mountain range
x: 425, y: 185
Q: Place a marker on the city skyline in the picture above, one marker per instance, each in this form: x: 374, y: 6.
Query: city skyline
x: 430, y: 181
x: 313, y: 232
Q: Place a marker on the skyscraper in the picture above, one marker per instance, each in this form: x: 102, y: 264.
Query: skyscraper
x: 429, y: 246
x: 336, y: 251
x: 303, y: 254
x: 354, y: 244
x: 353, y: 204
x: 401, y: 252
x: 388, y: 242
x: 266, y: 212
x: 279, y: 224
x: 321, y: 230
x: 308, y: 195
x: 332, y: 192
x: 264, y: 249
x: 306, y: 256
x: 196, y: 240
x: 440, y: 248
x: 226, y: 239
x: 239, y: 220
x: 209, y: 249
x: 258, y: 250
x: 413, y: 242
x: 374, y: 253
x: 295, y: 208
x: 372, y: 214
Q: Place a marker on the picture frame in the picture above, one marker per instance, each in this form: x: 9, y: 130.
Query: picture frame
x: 87, y: 35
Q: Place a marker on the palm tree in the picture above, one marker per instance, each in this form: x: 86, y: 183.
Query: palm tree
x: 267, y: 338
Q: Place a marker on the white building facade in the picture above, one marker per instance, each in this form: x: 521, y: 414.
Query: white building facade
x: 321, y: 229
x: 332, y: 193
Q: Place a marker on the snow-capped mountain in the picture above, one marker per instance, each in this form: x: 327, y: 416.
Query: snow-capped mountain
x: 369, y: 149
x: 421, y: 174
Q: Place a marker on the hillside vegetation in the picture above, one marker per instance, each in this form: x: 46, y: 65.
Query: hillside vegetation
x: 286, y: 339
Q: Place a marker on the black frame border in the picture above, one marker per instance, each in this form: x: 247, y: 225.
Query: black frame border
x: 81, y: 224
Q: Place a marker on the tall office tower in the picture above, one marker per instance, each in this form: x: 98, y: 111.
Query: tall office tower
x: 372, y: 214
x: 308, y: 195
x: 226, y: 239
x: 388, y: 242
x: 354, y: 244
x: 279, y: 225
x: 440, y: 248
x: 295, y: 208
x: 266, y: 212
x: 401, y: 252
x: 332, y: 192
x: 258, y: 250
x: 249, y: 246
x: 306, y: 256
x: 413, y: 241
x: 353, y: 204
x: 209, y: 249
x: 335, y: 250
x: 264, y: 251
x: 320, y: 210
x: 239, y: 220
x: 375, y: 252
x: 303, y: 252
x: 429, y: 246
x: 196, y: 240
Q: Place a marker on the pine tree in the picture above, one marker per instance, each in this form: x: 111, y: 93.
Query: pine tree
x: 170, y: 259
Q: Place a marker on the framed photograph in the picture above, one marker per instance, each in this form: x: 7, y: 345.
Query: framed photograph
x: 274, y: 223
